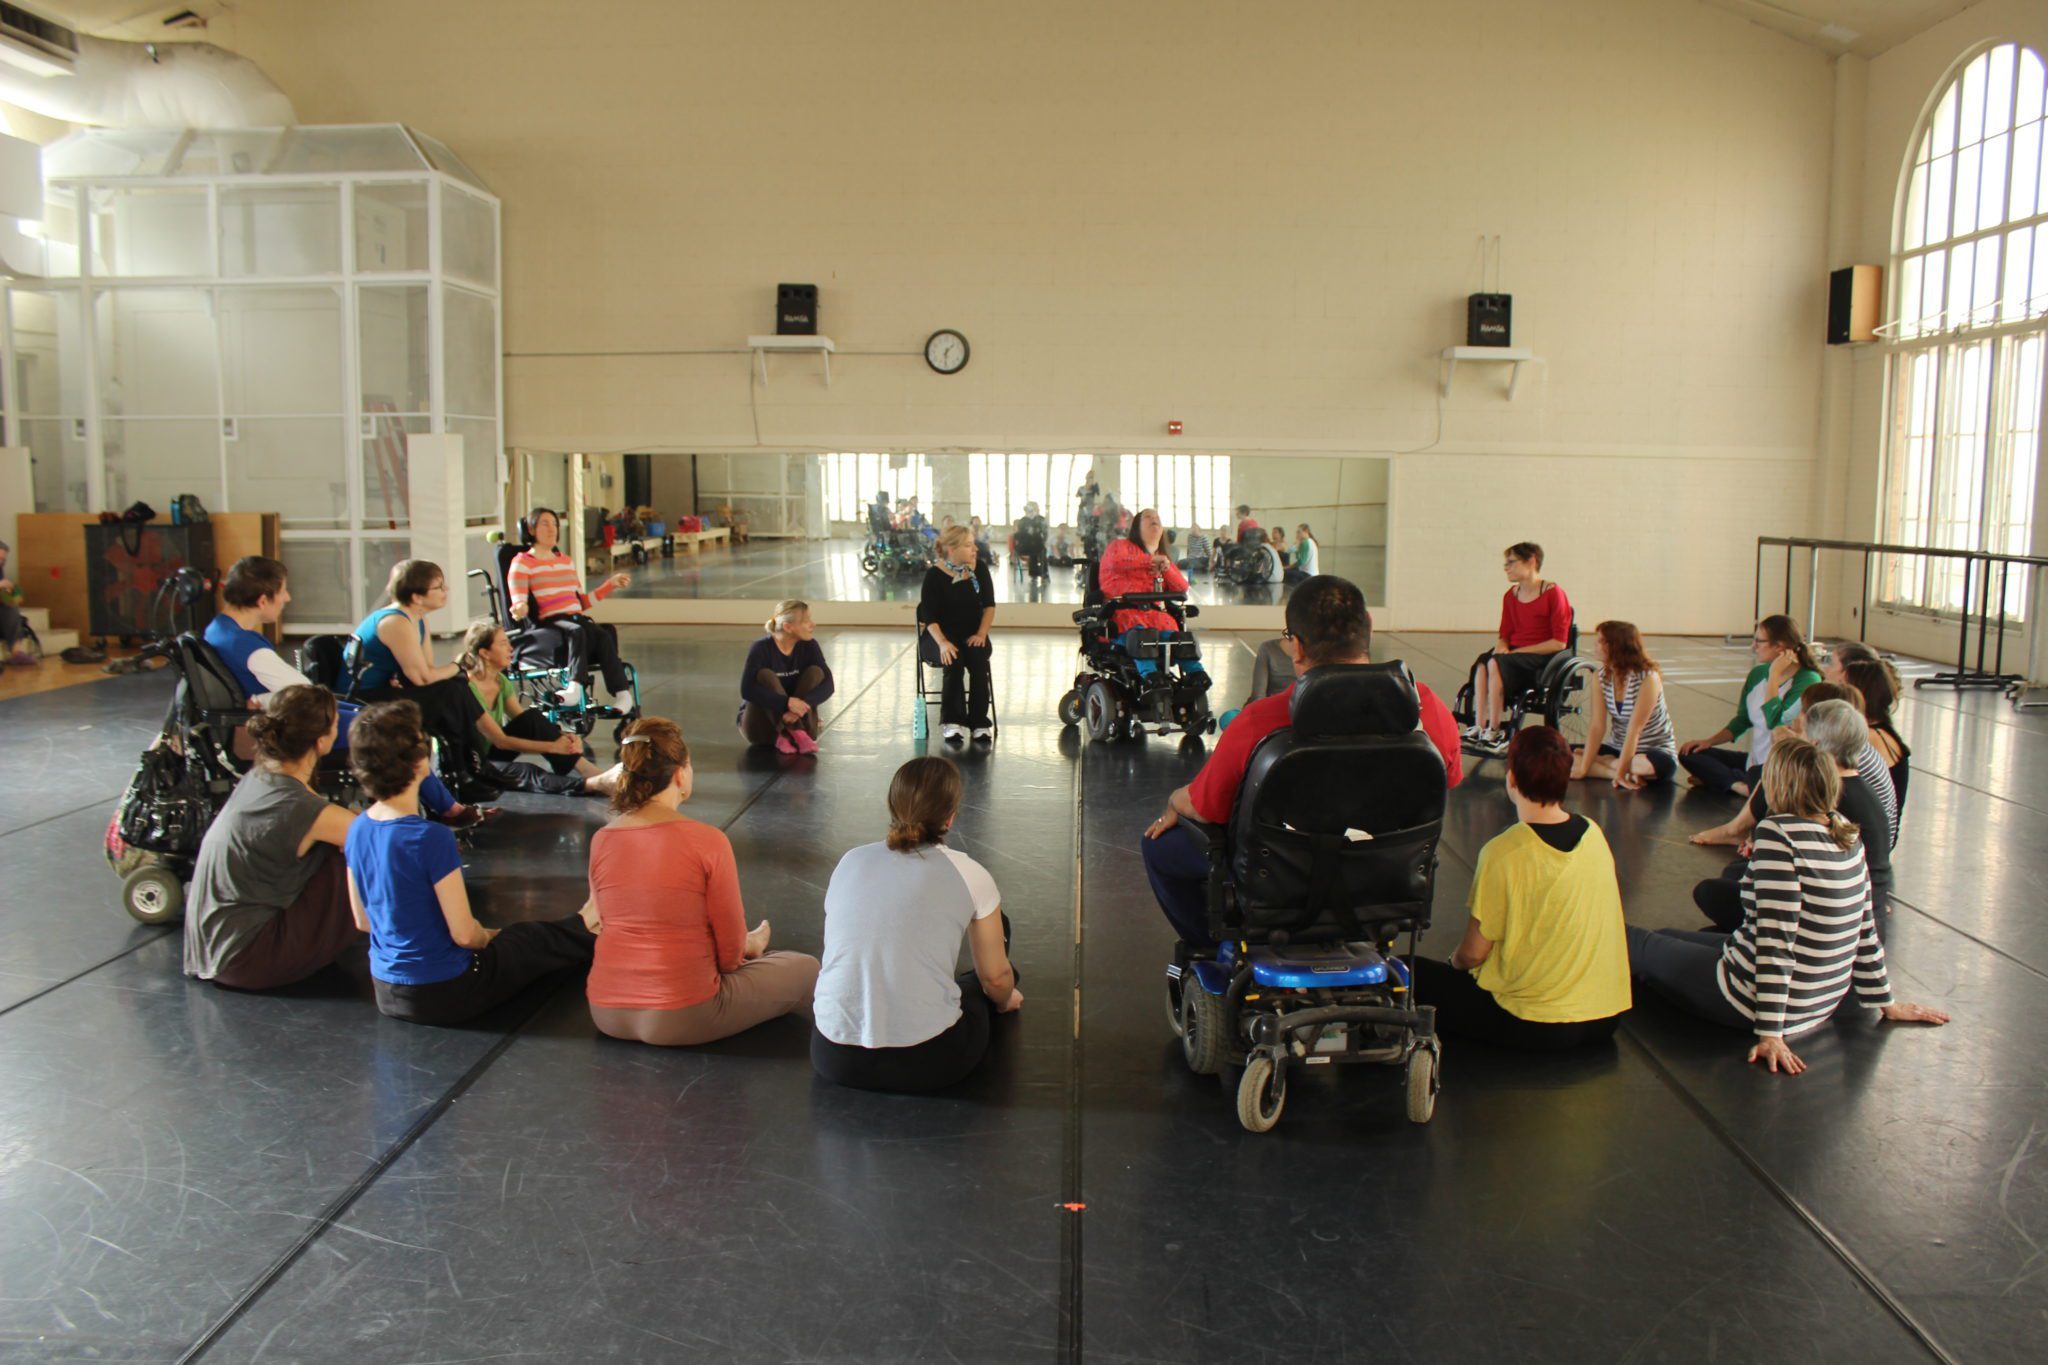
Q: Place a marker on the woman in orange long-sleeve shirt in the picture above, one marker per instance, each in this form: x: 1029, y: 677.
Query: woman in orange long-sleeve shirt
x: 676, y: 964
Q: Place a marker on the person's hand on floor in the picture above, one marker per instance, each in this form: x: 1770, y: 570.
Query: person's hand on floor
x: 1628, y: 780
x: 1773, y: 1053
x: 1914, y: 1014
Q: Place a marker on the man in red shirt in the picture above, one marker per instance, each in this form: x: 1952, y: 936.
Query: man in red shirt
x: 1327, y: 623
x: 1535, y: 623
x: 1245, y: 522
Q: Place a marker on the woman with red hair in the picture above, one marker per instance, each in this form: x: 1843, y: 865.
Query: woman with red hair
x: 1637, y: 744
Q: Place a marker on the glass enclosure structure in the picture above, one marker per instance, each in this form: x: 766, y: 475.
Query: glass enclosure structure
x: 262, y: 317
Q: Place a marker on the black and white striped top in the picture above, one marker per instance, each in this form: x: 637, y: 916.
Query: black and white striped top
x: 1657, y: 732
x: 1871, y: 767
x: 1807, y: 934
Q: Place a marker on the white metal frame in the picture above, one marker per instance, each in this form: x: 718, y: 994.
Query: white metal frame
x: 87, y: 286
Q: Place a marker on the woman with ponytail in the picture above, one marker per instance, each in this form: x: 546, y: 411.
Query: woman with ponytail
x: 890, y: 1013
x: 269, y: 901
x: 1807, y: 935
x: 785, y: 681
x: 676, y: 964
x: 509, y: 727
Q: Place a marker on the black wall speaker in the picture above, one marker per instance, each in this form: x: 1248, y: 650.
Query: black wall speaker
x: 1487, y: 318
x: 1854, y: 293
x: 796, y: 310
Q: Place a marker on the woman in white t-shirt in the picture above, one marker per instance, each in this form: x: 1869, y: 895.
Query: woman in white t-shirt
x: 889, y: 1012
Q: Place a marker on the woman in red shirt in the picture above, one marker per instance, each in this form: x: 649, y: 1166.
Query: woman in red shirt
x: 1138, y: 563
x: 1535, y: 623
x: 676, y: 964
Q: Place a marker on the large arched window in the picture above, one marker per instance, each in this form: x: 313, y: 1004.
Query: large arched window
x: 1969, y: 326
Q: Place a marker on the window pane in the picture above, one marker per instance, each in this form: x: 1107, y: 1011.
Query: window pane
x: 2019, y: 260
x: 1956, y: 308
x: 292, y: 230
x: 1915, y: 211
x: 1932, y: 281
x: 2030, y: 87
x: 1998, y: 90
x: 1984, y: 283
x: 1972, y: 128
x: 1967, y: 163
x: 2026, y: 171
x: 158, y: 356
x: 294, y: 466
x: 150, y: 232
x: 1939, y: 174
x: 1991, y: 183
x: 1908, y: 316
x: 392, y: 323
x: 281, y: 352
x: 469, y: 238
x: 1943, y: 128
x: 470, y: 379
x: 391, y: 226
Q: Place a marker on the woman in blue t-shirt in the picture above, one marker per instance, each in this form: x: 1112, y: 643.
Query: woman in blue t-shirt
x: 430, y: 961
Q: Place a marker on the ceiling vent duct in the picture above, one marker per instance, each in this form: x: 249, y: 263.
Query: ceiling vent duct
x: 36, y: 44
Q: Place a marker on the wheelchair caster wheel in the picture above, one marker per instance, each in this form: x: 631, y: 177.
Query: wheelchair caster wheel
x: 1201, y: 1029
x: 1176, y: 985
x: 1071, y: 711
x: 1422, y: 1084
x: 1261, y: 1094
x: 153, y: 895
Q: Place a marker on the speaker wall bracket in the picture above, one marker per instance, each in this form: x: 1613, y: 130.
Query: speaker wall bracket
x: 1513, y: 356
x: 761, y: 346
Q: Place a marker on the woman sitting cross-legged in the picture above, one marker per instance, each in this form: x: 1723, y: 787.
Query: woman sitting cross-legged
x: 890, y: 1012
x: 1770, y: 695
x: 1807, y: 935
x: 269, y: 895
x: 784, y: 682
x: 1544, y: 962
x: 509, y: 727
x: 430, y: 961
x: 1638, y: 746
x: 676, y: 964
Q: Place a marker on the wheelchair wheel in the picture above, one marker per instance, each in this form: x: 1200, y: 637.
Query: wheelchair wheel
x: 153, y: 895
x: 1176, y: 986
x: 1261, y: 1094
x: 1564, y: 710
x: 1422, y: 1084
x: 870, y: 562
x: 1201, y: 1029
x: 1101, y: 712
x: 1071, y: 709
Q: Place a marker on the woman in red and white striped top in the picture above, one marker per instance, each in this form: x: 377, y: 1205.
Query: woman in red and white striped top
x: 547, y: 588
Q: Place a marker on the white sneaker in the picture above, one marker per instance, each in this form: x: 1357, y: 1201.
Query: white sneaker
x: 572, y: 695
x: 953, y: 734
x: 985, y: 735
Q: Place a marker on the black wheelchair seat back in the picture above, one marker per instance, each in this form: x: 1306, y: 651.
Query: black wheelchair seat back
x: 324, y: 659
x: 206, y: 683
x: 1338, y: 818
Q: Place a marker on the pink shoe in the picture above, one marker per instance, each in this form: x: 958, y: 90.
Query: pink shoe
x: 803, y: 741
x: 784, y: 744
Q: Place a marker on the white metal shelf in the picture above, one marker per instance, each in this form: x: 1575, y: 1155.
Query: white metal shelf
x: 1517, y: 356
x: 761, y: 346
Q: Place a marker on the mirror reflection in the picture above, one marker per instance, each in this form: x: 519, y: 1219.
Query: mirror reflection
x: 859, y: 526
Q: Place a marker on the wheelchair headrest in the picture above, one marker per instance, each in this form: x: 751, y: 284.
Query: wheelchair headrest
x: 1354, y: 700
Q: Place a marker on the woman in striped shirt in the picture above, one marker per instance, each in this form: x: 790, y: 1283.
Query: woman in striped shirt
x: 546, y: 589
x: 1807, y: 934
x: 1639, y: 745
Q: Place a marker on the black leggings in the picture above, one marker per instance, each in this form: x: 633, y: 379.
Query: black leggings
x: 531, y: 724
x: 520, y: 955
x: 963, y: 684
x: 585, y: 641
x: 449, y: 712
x: 931, y: 1065
x: 12, y: 626
x: 1720, y: 769
x: 1465, y: 1009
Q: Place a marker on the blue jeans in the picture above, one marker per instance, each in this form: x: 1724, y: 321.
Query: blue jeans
x: 1147, y: 667
x: 1178, y: 867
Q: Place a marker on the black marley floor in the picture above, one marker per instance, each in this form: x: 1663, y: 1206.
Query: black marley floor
x: 190, y: 1173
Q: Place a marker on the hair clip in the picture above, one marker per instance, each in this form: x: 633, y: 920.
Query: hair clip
x: 632, y: 739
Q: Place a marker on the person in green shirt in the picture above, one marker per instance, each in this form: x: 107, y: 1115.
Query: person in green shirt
x: 510, y: 728
x: 1543, y: 965
x: 1785, y: 668
x: 1307, y: 562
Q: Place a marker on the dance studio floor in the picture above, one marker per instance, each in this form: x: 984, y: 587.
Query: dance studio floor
x: 829, y: 571
x: 190, y: 1173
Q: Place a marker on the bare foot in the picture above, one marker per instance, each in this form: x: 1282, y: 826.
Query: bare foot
x: 1719, y: 834
x: 606, y: 782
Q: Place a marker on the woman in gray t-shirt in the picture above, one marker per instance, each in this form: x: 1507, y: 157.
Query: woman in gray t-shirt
x: 269, y: 903
x: 889, y: 1012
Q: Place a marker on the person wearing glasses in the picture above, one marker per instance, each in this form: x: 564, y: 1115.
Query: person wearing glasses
x: 1785, y: 668
x: 1535, y: 623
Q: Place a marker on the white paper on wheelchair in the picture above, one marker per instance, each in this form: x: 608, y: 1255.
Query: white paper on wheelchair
x: 1356, y: 836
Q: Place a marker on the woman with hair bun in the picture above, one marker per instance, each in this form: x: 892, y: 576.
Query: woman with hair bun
x: 1863, y: 668
x: 676, y: 964
x: 785, y: 681
x: 269, y: 902
x: 890, y: 1013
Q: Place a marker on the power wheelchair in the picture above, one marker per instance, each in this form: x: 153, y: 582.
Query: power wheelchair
x: 898, y: 551
x: 1111, y: 699
x: 1328, y: 857
x: 1558, y: 695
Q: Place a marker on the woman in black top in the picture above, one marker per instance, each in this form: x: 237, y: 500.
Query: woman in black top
x: 1862, y: 668
x: 956, y: 608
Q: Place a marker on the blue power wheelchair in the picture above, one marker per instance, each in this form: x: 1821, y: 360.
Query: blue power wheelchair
x: 1112, y: 697
x: 890, y: 549
x: 1328, y: 857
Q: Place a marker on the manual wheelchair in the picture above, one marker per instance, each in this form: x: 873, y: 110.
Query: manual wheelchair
x: 1111, y: 698
x: 1243, y: 566
x: 1557, y: 695
x: 1328, y: 858
x: 539, y: 669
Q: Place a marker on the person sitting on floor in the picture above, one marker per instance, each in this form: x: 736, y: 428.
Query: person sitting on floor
x: 1861, y: 667
x: 1638, y: 745
x: 269, y: 901
x: 1807, y: 934
x: 1138, y: 563
x: 1327, y: 623
x: 889, y: 1013
x: 1770, y: 695
x: 430, y: 961
x: 13, y: 627
x: 785, y: 681
x: 1064, y: 548
x: 1543, y: 965
x: 509, y: 727
x: 956, y: 607
x: 255, y: 593
x: 1835, y: 726
x: 545, y: 587
x: 676, y: 964
x: 395, y: 661
x: 1870, y: 763
x: 1197, y: 560
x: 1535, y: 623
x: 1308, y: 555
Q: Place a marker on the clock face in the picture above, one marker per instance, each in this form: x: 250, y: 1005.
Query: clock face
x: 946, y: 351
